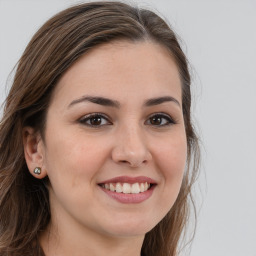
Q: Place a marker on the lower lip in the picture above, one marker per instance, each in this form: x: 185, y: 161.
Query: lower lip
x: 130, y: 198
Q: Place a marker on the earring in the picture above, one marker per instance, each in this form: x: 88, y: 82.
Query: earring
x: 37, y: 170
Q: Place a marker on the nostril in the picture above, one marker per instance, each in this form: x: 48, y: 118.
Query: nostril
x: 132, y: 163
x: 134, y: 158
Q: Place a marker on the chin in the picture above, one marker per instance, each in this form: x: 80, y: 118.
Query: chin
x: 131, y: 227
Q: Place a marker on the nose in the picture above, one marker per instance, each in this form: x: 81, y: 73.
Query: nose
x: 131, y: 148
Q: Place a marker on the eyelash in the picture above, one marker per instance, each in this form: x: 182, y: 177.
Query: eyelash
x: 89, y: 117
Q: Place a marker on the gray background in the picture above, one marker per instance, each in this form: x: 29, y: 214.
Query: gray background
x: 219, y: 38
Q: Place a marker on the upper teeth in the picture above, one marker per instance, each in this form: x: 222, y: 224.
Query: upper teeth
x: 127, y: 188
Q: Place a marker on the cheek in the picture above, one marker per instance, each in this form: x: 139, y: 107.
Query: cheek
x: 172, y: 156
x: 171, y: 165
x: 72, y: 165
x: 170, y: 160
x: 74, y: 159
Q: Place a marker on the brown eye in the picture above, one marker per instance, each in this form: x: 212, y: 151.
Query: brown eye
x: 156, y: 120
x: 160, y: 120
x: 94, y: 120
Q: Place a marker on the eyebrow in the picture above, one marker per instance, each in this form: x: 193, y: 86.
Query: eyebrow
x: 113, y: 103
x: 160, y: 100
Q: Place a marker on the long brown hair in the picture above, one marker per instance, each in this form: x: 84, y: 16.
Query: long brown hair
x: 24, y: 200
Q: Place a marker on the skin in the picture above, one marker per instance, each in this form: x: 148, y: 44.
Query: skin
x: 76, y: 156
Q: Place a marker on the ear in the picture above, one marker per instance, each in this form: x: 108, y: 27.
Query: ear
x: 34, y: 152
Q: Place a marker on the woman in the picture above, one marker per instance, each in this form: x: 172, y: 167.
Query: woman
x: 98, y: 153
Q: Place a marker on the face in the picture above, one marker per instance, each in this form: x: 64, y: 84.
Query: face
x: 115, y: 142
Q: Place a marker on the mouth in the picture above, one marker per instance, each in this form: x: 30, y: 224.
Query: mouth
x: 129, y: 189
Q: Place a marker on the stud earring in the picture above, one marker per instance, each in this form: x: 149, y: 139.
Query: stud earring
x: 37, y: 170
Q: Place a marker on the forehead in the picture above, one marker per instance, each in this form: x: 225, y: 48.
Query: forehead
x: 119, y: 69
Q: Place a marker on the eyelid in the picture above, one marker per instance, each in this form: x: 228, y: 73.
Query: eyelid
x: 83, y: 119
x: 170, y: 119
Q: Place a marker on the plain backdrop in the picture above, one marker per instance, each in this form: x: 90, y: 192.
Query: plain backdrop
x: 219, y: 38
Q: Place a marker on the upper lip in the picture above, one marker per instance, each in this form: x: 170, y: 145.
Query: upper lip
x: 131, y: 180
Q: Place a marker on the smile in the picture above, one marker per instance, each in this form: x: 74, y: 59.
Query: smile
x: 127, y: 188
